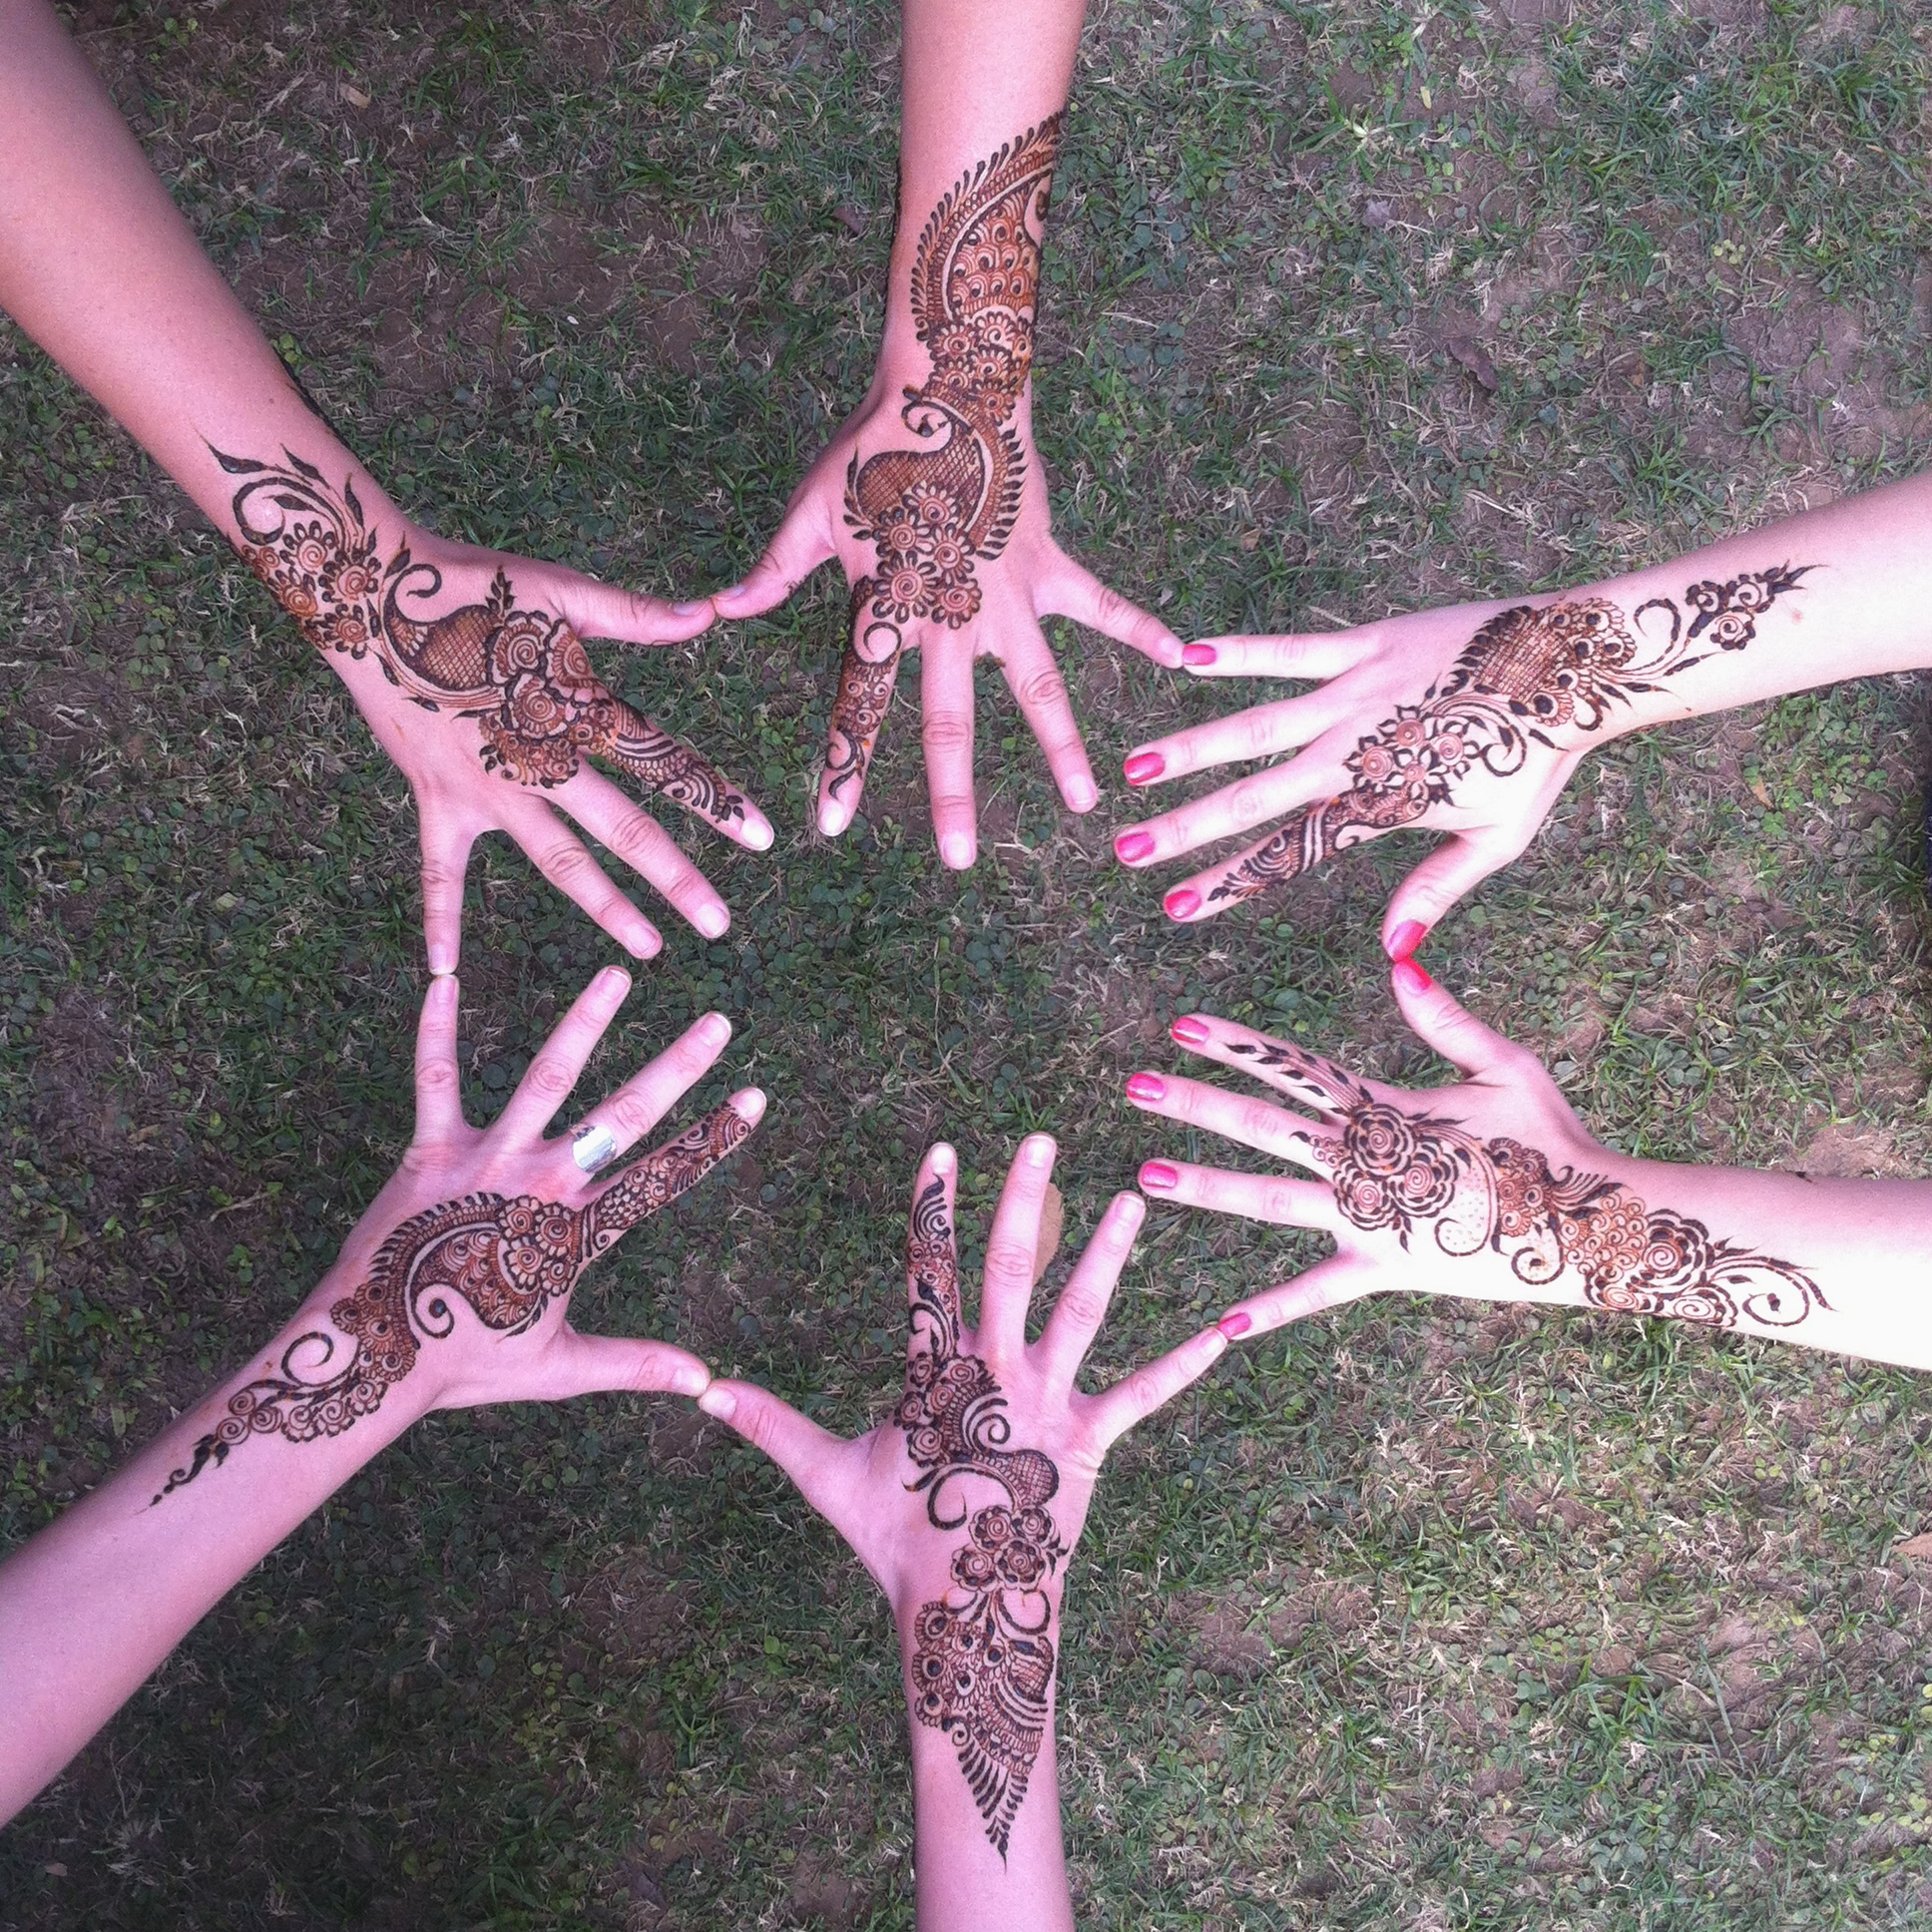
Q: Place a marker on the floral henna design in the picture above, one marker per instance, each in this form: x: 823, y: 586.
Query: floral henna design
x: 522, y: 675
x: 982, y: 1668
x: 508, y: 1258
x: 1524, y: 673
x: 1392, y: 1169
x: 932, y: 514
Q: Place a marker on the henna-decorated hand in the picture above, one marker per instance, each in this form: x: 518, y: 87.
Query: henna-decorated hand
x: 966, y: 1506
x: 454, y: 1288
x: 471, y: 671
x: 1467, y: 720
x: 1490, y: 1188
x: 932, y: 500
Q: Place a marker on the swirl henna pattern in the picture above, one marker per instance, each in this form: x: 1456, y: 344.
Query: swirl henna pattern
x: 508, y: 1258
x: 1397, y: 1170
x: 1524, y: 673
x: 932, y: 514
x: 982, y: 1670
x: 522, y: 675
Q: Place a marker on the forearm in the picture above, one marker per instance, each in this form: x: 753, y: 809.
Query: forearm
x: 92, y: 1604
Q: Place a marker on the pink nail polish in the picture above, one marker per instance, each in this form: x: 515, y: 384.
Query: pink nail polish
x: 1159, y: 1175
x: 1411, y: 976
x: 1147, y: 1087
x: 1181, y: 904
x: 1236, y: 1325
x: 1189, y: 1032
x: 1199, y: 653
x: 1132, y: 847
x: 1406, y: 938
x: 1144, y: 768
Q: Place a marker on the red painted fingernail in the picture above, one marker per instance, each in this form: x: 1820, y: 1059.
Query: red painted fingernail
x: 1235, y: 1324
x: 1158, y: 1174
x: 1132, y: 847
x: 1148, y: 1087
x: 1189, y: 1032
x: 1199, y: 653
x: 1144, y: 768
x: 1411, y: 976
x: 1180, y: 903
x: 1405, y: 938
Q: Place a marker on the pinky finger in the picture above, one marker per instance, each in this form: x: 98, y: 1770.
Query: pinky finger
x: 1328, y: 1284
x: 1135, y: 1397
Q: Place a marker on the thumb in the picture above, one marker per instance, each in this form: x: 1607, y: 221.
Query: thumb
x: 1439, y: 1022
x: 802, y: 544
x: 1421, y: 900
x: 592, y: 1364
x: 603, y: 611
x: 806, y: 1453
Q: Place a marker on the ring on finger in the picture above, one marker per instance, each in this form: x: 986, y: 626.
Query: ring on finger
x: 592, y: 1145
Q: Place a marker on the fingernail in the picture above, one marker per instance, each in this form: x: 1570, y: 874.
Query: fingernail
x: 647, y: 943
x: 1132, y: 847
x: 757, y: 836
x: 737, y: 590
x: 713, y: 1029
x: 1411, y: 976
x: 1189, y: 1032
x: 613, y: 981
x: 592, y: 1147
x: 1405, y: 938
x: 1159, y: 1175
x: 720, y: 1402
x: 1080, y: 794
x: 749, y: 1105
x: 1199, y: 653
x: 1235, y: 1324
x: 442, y: 959
x: 957, y: 850
x: 1039, y: 1150
x: 711, y: 920
x: 1144, y: 766
x: 941, y: 1159
x: 442, y: 989
x: 685, y: 609
x: 1148, y: 1087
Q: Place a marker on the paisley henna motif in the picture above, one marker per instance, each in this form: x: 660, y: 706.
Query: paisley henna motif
x: 508, y: 1258
x: 982, y: 1666
x: 522, y: 675
x: 1399, y: 1170
x: 933, y: 513
x: 1524, y: 673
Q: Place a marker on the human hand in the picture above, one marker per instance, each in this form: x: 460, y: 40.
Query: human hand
x: 1467, y: 720
x: 947, y: 544
x: 487, y: 700
x: 454, y: 1288
x: 967, y: 1535
x: 1490, y: 1186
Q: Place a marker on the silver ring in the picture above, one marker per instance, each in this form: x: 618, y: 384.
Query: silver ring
x: 591, y: 1146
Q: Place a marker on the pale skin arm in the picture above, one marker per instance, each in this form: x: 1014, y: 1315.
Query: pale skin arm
x: 98, y: 265
x: 1829, y: 1263
x: 978, y: 74
x: 1862, y: 606
x: 92, y: 1604
x: 866, y: 1489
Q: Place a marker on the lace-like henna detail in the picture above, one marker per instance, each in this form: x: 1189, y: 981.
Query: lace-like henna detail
x: 508, y: 1258
x: 1392, y: 1169
x: 1524, y: 673
x: 982, y: 1668
x: 931, y: 514
x: 522, y: 675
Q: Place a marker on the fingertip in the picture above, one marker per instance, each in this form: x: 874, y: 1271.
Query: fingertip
x: 1127, y: 1207
x: 1403, y: 939
x: 958, y: 851
x: 644, y: 941
x: 712, y: 1030
x: 690, y: 1378
x: 712, y: 919
x: 748, y: 1103
x: 613, y: 983
x: 1236, y: 1323
x: 1181, y: 904
x: 443, y: 989
x: 833, y: 818
x: 1079, y: 792
x: 1038, y: 1151
x: 758, y: 834
x: 717, y: 1400
x: 941, y: 1159
x: 1410, y: 978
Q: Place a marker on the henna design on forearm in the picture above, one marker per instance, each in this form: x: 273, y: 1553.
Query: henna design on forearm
x: 508, y: 1258
x: 1524, y: 673
x: 522, y: 675
x: 933, y: 513
x: 1399, y: 1170
x: 982, y: 1671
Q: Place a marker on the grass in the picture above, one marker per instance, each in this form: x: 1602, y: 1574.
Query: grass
x: 1431, y: 1613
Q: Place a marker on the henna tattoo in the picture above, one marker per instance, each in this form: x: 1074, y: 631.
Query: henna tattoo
x: 1396, y: 1170
x: 1524, y: 673
x: 522, y: 675
x: 933, y: 513
x: 508, y: 1258
x: 982, y: 1668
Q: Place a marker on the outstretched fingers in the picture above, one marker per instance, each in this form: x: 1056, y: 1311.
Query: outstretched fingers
x: 1453, y: 870
x: 654, y: 1183
x: 1135, y: 1397
x: 866, y: 674
x: 1328, y: 1284
x: 1309, y: 1080
x: 1261, y: 731
x: 624, y: 827
x: 1006, y: 1285
x: 447, y: 840
x: 1077, y: 592
x: 620, y: 1120
x: 1443, y: 1023
x: 440, y: 1095
x: 591, y: 1364
x: 932, y: 1258
x: 564, y: 860
x: 1321, y: 653
x: 1041, y: 693
x: 815, y: 1459
x: 1256, y: 1196
x: 1290, y: 789
x: 1082, y: 1306
x: 1235, y: 1117
x: 546, y: 1084
x: 946, y: 696
x: 678, y: 771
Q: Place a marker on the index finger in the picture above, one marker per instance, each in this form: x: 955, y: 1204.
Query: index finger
x: 1307, y: 1078
x: 440, y: 1095
x: 866, y: 674
x: 546, y: 1084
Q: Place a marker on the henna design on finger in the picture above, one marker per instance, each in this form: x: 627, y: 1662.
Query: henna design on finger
x: 508, y: 1258
x: 1524, y: 673
x: 522, y: 675
x: 1391, y: 1170
x: 931, y: 514
x: 982, y: 1666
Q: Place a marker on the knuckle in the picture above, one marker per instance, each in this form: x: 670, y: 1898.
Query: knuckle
x: 946, y: 732
x: 548, y: 1076
x: 1277, y: 1200
x: 440, y: 875
x: 633, y: 837
x: 1082, y: 1306
x: 1042, y: 688
x: 436, y: 1076
x: 1008, y: 1262
x: 1260, y: 1121
x: 630, y: 1115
